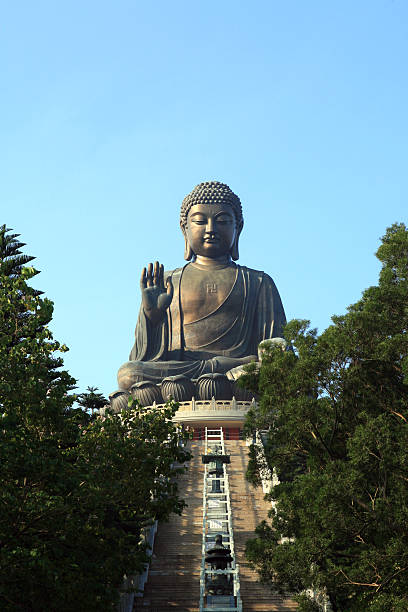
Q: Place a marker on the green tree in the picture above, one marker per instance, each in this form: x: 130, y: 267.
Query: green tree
x: 74, y: 493
x: 336, y: 410
x: 91, y: 401
x: 11, y: 257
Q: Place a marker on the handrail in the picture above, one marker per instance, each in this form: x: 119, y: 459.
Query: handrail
x: 215, y: 437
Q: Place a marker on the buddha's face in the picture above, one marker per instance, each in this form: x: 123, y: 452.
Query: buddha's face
x: 211, y: 229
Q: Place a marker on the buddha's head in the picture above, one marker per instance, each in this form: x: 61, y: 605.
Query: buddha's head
x: 211, y: 221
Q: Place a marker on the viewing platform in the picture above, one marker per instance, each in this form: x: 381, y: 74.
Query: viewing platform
x: 208, y: 413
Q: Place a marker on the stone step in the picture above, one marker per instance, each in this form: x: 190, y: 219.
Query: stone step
x: 174, y: 578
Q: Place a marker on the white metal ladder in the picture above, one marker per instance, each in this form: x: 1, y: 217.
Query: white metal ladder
x: 217, y: 519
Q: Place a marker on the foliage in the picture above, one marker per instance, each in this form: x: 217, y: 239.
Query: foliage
x: 11, y: 257
x: 336, y: 410
x: 91, y: 401
x: 253, y: 470
x: 75, y: 493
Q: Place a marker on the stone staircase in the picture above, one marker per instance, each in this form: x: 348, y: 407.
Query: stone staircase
x: 174, y: 576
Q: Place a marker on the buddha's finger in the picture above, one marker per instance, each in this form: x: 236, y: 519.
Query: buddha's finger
x: 161, y: 275
x: 150, y: 275
x: 156, y: 273
x: 169, y: 288
x: 143, y: 279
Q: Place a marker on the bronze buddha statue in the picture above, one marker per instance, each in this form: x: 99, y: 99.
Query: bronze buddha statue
x: 210, y: 315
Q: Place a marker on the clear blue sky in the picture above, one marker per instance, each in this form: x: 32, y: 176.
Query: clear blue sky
x: 111, y: 112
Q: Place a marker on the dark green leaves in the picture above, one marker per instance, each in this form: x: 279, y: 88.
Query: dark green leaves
x: 336, y: 411
x: 75, y: 492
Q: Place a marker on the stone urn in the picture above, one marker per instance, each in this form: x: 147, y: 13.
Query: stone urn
x: 214, y: 385
x: 146, y: 392
x: 119, y: 400
x: 180, y: 388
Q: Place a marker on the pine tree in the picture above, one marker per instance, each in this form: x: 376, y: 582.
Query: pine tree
x: 11, y: 257
x: 336, y: 412
x: 91, y: 401
x: 75, y: 493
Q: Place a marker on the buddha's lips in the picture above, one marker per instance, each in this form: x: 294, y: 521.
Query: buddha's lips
x: 211, y: 240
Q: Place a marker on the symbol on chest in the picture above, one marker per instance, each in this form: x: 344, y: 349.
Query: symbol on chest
x: 212, y: 288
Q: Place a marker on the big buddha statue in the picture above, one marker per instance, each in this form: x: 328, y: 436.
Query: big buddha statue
x: 210, y: 315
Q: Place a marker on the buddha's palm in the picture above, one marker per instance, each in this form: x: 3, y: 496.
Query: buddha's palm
x: 156, y: 297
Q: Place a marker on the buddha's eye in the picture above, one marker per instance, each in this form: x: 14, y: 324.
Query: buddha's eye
x: 199, y: 220
x: 224, y: 219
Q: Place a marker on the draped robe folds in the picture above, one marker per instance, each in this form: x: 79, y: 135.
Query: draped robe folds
x: 251, y: 312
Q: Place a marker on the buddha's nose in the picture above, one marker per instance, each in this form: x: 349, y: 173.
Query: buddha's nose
x: 210, y: 226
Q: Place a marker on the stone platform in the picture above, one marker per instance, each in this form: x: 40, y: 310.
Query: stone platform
x: 209, y: 413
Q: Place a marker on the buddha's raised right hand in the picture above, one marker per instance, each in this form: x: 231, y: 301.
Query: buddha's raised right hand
x: 156, y: 298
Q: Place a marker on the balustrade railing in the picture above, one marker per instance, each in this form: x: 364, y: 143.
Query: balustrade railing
x: 217, y: 521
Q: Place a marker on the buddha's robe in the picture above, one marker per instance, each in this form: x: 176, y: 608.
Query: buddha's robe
x: 222, y: 339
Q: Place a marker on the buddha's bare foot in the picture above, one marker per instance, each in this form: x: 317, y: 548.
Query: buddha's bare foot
x: 129, y: 373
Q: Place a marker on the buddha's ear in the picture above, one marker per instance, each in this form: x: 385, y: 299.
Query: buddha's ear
x: 188, y: 252
x: 234, y: 248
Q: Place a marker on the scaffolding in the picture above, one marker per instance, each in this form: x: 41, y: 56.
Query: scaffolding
x: 217, y: 520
